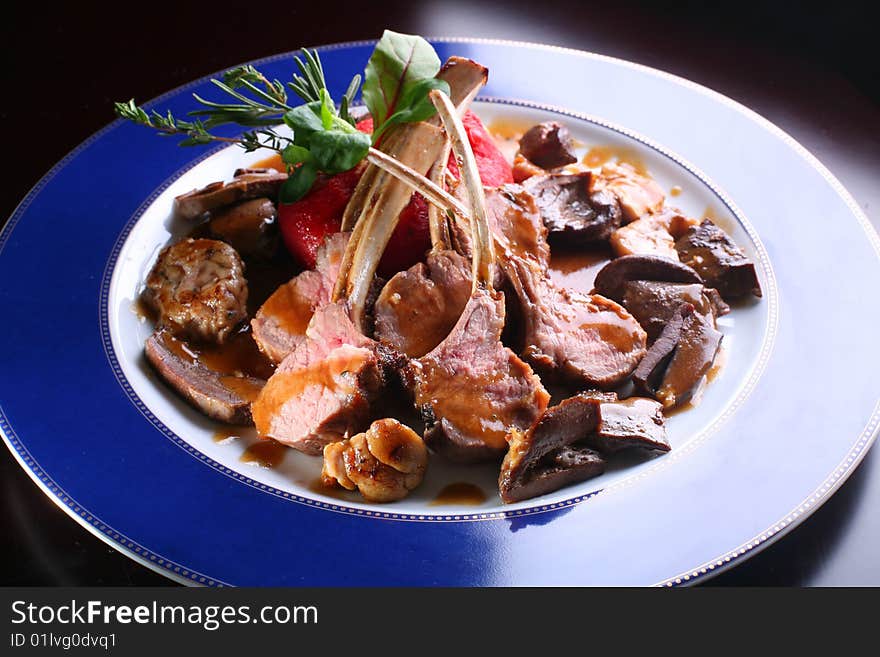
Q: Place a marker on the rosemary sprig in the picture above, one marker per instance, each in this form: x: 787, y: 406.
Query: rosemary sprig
x: 325, y: 139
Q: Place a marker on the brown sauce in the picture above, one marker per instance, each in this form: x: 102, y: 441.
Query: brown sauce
x: 337, y: 492
x: 461, y: 493
x: 509, y: 128
x: 289, y: 309
x: 246, y: 388
x: 238, y: 356
x: 599, y: 155
x: 266, y: 453
x: 576, y: 269
x: 226, y: 433
x: 271, y: 162
x: 143, y: 310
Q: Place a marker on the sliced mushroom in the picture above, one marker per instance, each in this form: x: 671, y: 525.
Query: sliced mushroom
x: 569, y: 441
x: 250, y: 184
x: 720, y: 262
x: 249, y: 227
x: 548, y: 144
x: 676, y: 365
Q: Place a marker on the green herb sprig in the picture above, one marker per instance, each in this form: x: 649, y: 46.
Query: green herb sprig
x: 399, y: 75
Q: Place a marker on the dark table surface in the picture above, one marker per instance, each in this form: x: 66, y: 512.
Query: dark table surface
x: 810, y: 71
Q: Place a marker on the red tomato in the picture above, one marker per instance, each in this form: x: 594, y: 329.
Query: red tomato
x: 306, y: 223
x: 494, y: 169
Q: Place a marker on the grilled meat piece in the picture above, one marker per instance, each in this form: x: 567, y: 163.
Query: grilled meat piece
x: 471, y: 389
x: 223, y: 397
x: 548, y: 145
x: 585, y: 340
x: 385, y: 463
x: 514, y: 221
x: 418, y: 307
x: 247, y: 183
x: 280, y: 323
x: 721, y: 263
x: 249, y: 227
x: 197, y: 289
x: 322, y: 391
x: 571, y: 211
x: 516, y: 224
x: 612, y: 278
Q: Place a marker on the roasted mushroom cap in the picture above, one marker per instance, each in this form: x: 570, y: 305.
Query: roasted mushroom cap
x: 548, y: 145
x: 720, y: 262
x: 570, y: 211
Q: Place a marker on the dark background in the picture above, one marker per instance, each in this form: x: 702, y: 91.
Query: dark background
x: 813, y: 70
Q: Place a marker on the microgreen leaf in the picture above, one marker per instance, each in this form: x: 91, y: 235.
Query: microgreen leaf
x: 336, y: 151
x: 414, y: 106
x: 298, y: 183
x: 398, y: 62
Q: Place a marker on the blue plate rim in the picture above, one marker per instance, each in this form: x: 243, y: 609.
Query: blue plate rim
x: 820, y: 494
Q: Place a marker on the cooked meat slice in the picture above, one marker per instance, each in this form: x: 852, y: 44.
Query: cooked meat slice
x: 571, y: 211
x: 472, y: 390
x: 721, y: 263
x: 548, y: 145
x: 514, y: 221
x: 573, y: 337
x: 385, y: 463
x: 637, y: 195
x: 418, y: 307
x: 220, y: 396
x: 516, y: 224
x: 612, y: 278
x: 322, y: 391
x: 633, y: 422
x: 249, y: 227
x: 653, y: 303
x: 677, y: 363
x: 280, y: 324
x: 652, y: 234
x: 249, y: 184
x: 198, y: 290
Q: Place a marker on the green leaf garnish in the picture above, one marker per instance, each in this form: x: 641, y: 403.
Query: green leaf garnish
x: 398, y: 77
